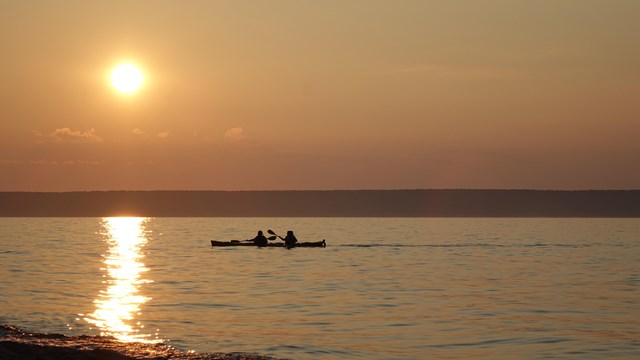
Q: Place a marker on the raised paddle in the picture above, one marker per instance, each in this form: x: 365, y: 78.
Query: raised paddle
x: 289, y: 246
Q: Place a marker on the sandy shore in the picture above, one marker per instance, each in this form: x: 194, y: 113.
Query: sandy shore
x: 18, y: 344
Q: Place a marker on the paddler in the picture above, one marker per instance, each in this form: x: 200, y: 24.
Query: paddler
x: 290, y: 240
x: 260, y: 239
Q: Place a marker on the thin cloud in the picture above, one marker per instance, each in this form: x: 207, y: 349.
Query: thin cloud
x: 454, y: 71
x: 137, y: 131
x: 80, y: 162
x: 163, y: 135
x: 49, y: 162
x: 66, y: 135
x: 234, y: 134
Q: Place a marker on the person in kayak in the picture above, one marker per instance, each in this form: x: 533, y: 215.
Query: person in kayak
x: 290, y: 240
x: 260, y: 239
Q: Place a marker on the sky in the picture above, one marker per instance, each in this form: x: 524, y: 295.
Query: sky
x: 332, y: 94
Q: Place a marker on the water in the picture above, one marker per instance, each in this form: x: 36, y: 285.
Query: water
x: 392, y: 288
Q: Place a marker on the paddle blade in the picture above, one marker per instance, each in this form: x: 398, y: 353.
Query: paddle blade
x: 271, y: 232
x: 272, y: 237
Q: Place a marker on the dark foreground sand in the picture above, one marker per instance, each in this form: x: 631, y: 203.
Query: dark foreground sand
x: 18, y: 344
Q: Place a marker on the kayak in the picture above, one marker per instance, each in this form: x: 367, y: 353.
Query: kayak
x: 216, y: 243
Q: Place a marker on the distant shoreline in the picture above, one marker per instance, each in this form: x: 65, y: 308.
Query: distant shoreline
x: 325, y: 203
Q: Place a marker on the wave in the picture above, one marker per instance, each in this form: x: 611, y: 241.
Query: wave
x: 420, y: 245
x: 18, y: 344
x: 465, y: 245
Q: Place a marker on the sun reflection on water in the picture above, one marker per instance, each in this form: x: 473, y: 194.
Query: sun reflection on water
x: 119, y: 305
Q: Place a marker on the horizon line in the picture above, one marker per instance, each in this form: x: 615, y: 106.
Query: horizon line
x: 313, y: 190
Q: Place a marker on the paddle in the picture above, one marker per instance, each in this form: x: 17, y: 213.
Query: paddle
x: 273, y: 233
x: 289, y: 246
x: 269, y: 238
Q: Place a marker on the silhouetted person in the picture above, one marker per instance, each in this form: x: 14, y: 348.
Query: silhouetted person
x: 289, y: 240
x: 260, y: 239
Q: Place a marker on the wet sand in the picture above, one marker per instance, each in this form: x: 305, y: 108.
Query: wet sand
x: 19, y: 344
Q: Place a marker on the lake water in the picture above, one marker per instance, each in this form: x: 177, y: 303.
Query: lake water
x: 389, y: 288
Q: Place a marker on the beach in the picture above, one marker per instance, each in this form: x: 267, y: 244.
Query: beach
x: 18, y: 344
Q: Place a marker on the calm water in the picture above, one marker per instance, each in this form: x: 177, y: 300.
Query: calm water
x: 382, y: 289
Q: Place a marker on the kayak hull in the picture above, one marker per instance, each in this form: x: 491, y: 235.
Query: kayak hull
x: 216, y: 243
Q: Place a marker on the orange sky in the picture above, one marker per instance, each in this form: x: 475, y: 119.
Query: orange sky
x: 539, y: 94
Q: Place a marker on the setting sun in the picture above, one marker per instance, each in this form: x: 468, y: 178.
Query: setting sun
x: 126, y: 78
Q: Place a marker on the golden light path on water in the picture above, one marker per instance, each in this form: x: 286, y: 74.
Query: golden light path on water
x: 118, y: 306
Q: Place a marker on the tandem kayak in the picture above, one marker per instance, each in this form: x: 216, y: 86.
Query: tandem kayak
x: 216, y: 243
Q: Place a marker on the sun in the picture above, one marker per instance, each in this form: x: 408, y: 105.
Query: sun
x: 126, y: 78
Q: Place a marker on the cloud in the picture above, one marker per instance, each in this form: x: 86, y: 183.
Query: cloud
x: 80, y: 162
x: 457, y: 71
x: 49, y: 162
x: 144, y: 135
x: 234, y: 134
x: 71, y: 136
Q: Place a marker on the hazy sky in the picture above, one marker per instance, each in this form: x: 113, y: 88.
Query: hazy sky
x: 539, y: 94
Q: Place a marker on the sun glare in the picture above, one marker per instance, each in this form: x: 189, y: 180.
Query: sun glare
x: 126, y: 78
x: 119, y: 305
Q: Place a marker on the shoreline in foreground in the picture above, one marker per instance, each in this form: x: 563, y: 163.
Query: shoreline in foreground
x: 18, y: 344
